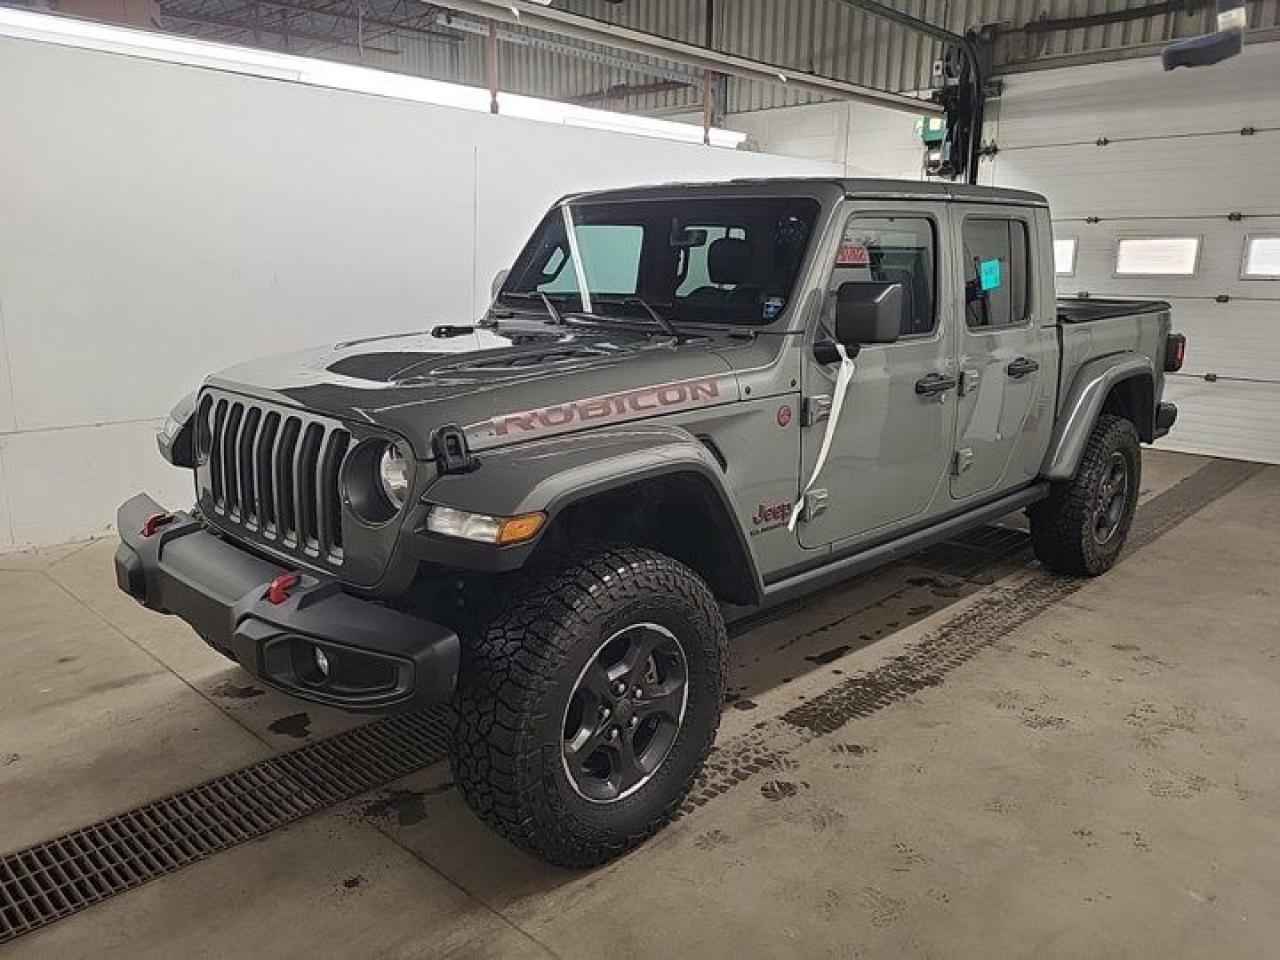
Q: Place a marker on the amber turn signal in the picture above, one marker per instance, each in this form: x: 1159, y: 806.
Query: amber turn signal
x: 516, y: 529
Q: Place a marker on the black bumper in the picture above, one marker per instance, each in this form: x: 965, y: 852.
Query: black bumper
x: 378, y: 659
x: 1166, y: 414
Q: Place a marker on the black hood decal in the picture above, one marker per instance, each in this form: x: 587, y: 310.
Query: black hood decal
x: 414, y: 383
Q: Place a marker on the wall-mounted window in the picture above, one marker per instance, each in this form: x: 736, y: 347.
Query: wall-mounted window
x: 1261, y: 258
x: 1157, y: 256
x: 1064, y: 256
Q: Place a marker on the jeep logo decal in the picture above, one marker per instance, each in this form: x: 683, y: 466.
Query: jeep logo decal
x: 625, y: 405
x: 771, y: 513
x: 770, y: 516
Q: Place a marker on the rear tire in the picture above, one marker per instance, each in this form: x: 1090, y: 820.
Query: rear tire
x: 587, y: 707
x: 1080, y: 528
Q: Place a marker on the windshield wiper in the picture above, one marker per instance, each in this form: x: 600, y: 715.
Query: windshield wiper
x: 667, y: 326
x: 561, y: 317
x: 556, y: 317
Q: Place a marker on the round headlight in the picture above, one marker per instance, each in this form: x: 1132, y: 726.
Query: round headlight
x: 393, y: 471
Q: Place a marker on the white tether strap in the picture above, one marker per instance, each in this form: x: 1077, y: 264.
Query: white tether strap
x: 837, y: 404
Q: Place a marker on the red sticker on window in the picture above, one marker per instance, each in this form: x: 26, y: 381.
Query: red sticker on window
x: 852, y: 255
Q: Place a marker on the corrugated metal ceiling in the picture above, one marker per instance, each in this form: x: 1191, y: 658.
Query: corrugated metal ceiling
x: 826, y: 37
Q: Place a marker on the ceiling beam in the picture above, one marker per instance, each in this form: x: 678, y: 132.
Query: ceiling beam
x: 586, y: 29
x: 274, y: 29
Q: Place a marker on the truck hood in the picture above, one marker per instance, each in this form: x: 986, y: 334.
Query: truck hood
x: 501, y: 384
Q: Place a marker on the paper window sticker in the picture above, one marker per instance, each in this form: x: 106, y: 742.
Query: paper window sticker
x: 852, y: 254
x: 989, y: 274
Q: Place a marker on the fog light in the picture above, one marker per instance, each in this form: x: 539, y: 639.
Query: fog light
x: 322, y: 662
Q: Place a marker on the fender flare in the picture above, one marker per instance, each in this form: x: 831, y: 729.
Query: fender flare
x: 553, y: 475
x: 1093, y: 382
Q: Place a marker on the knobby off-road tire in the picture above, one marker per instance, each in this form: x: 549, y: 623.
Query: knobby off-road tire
x: 1080, y: 528
x: 542, y: 719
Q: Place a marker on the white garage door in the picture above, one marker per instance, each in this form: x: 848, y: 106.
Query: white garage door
x: 1167, y: 185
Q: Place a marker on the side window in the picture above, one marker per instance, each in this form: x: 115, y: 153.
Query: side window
x: 996, y: 281
x: 610, y: 255
x: 893, y: 250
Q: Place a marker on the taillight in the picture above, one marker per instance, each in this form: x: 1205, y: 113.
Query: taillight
x: 1175, y: 351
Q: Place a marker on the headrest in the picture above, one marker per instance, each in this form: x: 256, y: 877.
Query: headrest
x: 728, y: 260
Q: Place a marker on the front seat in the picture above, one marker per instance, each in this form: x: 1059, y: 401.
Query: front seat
x: 729, y: 267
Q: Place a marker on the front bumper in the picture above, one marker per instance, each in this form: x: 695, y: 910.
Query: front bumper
x: 379, y: 659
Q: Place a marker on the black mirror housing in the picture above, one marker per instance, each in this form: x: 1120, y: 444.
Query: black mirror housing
x: 868, y: 312
x: 1203, y: 51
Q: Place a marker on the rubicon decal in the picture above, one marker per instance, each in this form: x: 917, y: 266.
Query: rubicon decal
x: 627, y: 405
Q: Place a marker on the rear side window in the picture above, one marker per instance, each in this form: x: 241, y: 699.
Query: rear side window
x: 996, y: 282
x: 893, y: 250
x: 695, y: 269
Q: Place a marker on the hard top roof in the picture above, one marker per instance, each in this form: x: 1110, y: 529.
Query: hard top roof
x: 849, y: 186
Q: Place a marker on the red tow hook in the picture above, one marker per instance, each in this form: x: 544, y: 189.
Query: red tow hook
x: 155, y: 522
x: 278, y: 589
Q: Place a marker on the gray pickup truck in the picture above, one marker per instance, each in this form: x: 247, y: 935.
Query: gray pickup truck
x: 684, y: 404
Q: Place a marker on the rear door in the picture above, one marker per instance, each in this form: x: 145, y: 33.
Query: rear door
x: 1005, y: 351
x: 890, y: 451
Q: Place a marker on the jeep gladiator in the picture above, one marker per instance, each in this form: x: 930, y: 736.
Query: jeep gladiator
x: 684, y: 404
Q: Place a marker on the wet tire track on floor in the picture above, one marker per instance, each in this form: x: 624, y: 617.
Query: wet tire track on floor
x: 993, y: 615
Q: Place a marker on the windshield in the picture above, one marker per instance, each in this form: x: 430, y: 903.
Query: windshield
x: 729, y: 261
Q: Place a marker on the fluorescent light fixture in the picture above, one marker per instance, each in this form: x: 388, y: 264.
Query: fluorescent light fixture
x: 28, y: 25
x: 1064, y: 256
x: 1157, y: 256
x: 572, y: 115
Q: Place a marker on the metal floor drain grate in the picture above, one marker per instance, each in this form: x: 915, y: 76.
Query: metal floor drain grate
x: 58, y: 877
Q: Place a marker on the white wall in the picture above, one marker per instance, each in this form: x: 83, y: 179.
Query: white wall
x: 160, y: 221
x: 1174, y: 164
x: 865, y: 141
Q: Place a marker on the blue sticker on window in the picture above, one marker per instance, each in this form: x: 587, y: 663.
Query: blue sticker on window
x: 989, y: 274
x: 772, y: 307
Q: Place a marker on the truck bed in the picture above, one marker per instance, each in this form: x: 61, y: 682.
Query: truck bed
x: 1089, y: 309
x: 1092, y: 329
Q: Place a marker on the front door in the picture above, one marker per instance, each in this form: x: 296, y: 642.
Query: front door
x: 891, y: 445
x: 1004, y: 351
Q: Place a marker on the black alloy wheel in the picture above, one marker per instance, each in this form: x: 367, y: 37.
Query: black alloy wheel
x: 1112, y: 498
x: 625, y: 712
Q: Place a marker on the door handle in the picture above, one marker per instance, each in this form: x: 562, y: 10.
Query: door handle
x: 1021, y: 367
x: 934, y: 384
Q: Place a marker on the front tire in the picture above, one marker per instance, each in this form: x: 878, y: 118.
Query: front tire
x: 1080, y: 528
x: 587, y: 707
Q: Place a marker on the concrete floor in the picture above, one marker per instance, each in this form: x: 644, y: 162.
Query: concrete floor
x: 1092, y: 775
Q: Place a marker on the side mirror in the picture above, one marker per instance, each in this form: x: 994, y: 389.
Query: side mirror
x: 868, y: 312
x: 1203, y: 51
x: 499, y: 279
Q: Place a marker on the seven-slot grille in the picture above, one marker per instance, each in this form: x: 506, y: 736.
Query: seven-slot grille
x: 273, y: 472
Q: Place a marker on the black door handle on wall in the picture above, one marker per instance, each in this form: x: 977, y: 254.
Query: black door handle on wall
x: 934, y: 384
x: 1021, y: 367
